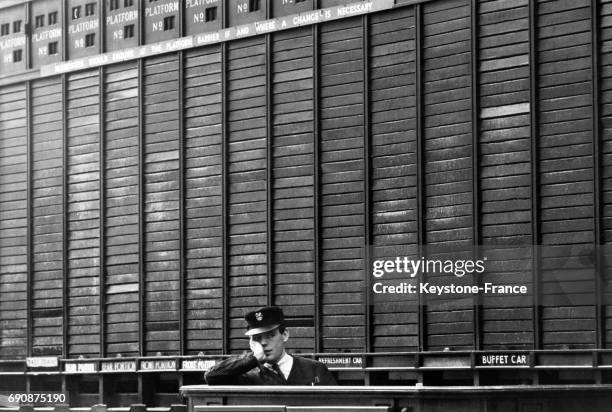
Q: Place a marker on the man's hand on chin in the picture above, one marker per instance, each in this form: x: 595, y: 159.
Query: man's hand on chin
x: 258, y: 350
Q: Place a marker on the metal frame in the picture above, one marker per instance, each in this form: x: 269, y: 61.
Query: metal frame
x: 28, y: 46
x: 535, y: 180
x: 420, y: 136
x: 474, y: 44
x: 269, y: 174
x: 182, y: 213
x: 65, y: 290
x: 225, y: 196
x: 141, y: 225
x: 141, y: 214
x: 29, y: 220
x: 316, y: 189
x: 102, y: 14
x: 102, y: 217
x: 597, y: 190
x: 366, y: 183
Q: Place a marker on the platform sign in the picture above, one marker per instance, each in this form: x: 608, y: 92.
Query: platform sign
x: 121, y: 24
x: 83, y: 28
x: 13, y: 40
x: 229, y: 34
x: 46, y: 32
x: 158, y: 364
x: 203, y: 16
x: 42, y: 362
x: 80, y: 367
x: 118, y: 366
x: 498, y: 359
x: 161, y: 20
x: 198, y: 364
x: 341, y: 361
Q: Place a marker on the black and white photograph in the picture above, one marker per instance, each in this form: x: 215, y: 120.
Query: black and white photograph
x: 305, y: 205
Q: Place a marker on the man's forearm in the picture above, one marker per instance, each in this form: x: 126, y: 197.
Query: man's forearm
x: 227, y: 371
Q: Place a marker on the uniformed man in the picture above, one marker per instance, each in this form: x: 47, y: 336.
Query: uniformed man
x: 268, y: 363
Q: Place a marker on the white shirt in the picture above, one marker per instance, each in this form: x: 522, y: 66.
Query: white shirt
x: 284, y: 364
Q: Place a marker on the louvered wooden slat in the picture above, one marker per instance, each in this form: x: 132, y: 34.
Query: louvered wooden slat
x: 83, y: 210
x: 505, y: 178
x: 203, y: 200
x: 13, y: 222
x: 161, y: 134
x: 393, y: 149
x: 293, y: 187
x: 47, y: 211
x: 566, y: 192
x: 121, y: 172
x: 341, y: 186
x: 606, y: 160
x: 447, y: 164
x: 247, y: 177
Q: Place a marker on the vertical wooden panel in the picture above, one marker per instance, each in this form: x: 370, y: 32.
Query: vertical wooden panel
x: 504, y: 167
x: 393, y: 156
x: 47, y: 210
x: 13, y: 222
x: 203, y: 200
x: 342, y: 196
x: 316, y: 92
x: 448, y: 163
x: 83, y: 117
x: 293, y: 187
x: 121, y: 216
x: 566, y: 188
x: 605, y: 50
x: 247, y: 175
x: 161, y: 204
x: 535, y: 175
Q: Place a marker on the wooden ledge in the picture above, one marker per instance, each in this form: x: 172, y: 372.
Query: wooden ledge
x: 206, y: 390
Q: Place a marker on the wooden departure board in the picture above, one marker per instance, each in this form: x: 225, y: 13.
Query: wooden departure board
x: 204, y: 200
x: 342, y: 186
x: 152, y: 195
x: 393, y: 146
x: 48, y: 216
x: 122, y: 291
x: 83, y: 210
x: 447, y: 107
x: 566, y: 173
x: 161, y: 205
x: 13, y: 221
x: 606, y: 157
x: 293, y: 191
x: 505, y: 169
x: 247, y: 170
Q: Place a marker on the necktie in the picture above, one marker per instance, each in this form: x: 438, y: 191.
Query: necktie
x: 276, y: 369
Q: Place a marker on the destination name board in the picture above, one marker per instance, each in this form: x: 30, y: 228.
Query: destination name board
x: 118, y: 366
x: 158, y: 364
x: 503, y: 359
x: 80, y: 367
x: 42, y: 362
x: 198, y: 364
x: 341, y: 361
x: 223, y: 35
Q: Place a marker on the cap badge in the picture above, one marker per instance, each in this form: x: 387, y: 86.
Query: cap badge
x: 259, y: 316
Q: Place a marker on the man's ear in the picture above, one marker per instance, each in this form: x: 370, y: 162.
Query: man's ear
x: 285, y: 335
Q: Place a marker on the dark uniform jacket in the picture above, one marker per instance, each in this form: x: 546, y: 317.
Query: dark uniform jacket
x: 246, y: 370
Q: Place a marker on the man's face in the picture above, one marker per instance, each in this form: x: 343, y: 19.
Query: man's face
x: 273, y: 343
